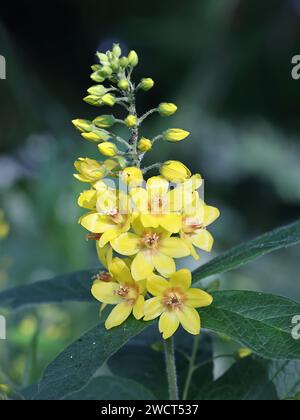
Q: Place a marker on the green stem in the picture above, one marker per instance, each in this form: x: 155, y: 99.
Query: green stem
x: 171, y: 369
x: 191, y: 369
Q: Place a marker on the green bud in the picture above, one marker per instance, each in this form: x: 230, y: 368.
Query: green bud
x: 103, y: 59
x: 105, y: 121
x: 124, y: 62
x: 117, y: 52
x: 131, y: 121
x: 96, y: 67
x: 97, y: 77
x: 115, y: 64
x: 98, y: 90
x: 133, y: 59
x: 93, y: 100
x: 146, y: 84
x: 84, y: 126
x: 123, y: 84
x: 109, y: 99
x: 106, y: 71
x: 167, y: 109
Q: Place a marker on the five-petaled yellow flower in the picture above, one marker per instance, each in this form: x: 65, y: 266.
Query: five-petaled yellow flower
x: 118, y: 288
x: 154, y: 249
x: 174, y: 302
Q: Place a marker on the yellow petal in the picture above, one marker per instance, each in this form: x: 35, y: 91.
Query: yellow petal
x: 156, y: 285
x: 140, y: 199
x: 181, y: 279
x: 109, y: 236
x: 168, y: 324
x: 198, y: 298
x: 203, y: 240
x: 153, y: 308
x: 190, y: 320
x: 96, y: 223
x: 157, y: 185
x: 118, y: 315
x: 88, y: 199
x: 174, y: 247
x: 105, y: 254
x: 148, y: 220
x: 120, y: 271
x: 138, y: 309
x: 171, y: 222
x: 105, y: 292
x: 164, y: 264
x: 211, y: 214
x: 142, y: 266
x: 126, y: 244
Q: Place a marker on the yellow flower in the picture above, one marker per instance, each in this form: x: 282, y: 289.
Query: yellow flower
x: 175, y: 302
x: 153, y: 249
x: 91, y: 171
x: 4, y: 227
x: 167, y: 109
x: 194, y: 227
x: 175, y: 135
x: 132, y: 177
x: 110, y: 218
x: 108, y: 149
x: 157, y: 205
x: 145, y: 145
x: 120, y: 290
x: 175, y: 171
x: 131, y: 121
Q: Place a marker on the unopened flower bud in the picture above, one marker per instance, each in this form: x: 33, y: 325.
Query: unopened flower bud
x: 103, y: 59
x: 117, y: 52
x: 98, y: 90
x: 146, y: 84
x: 109, y: 99
x: 175, y: 134
x: 106, y: 71
x: 93, y: 100
x: 243, y: 353
x: 124, y: 62
x: 104, y: 121
x: 133, y: 59
x: 145, y: 145
x: 83, y: 125
x: 108, y: 149
x: 97, y: 77
x: 96, y: 136
x: 123, y: 84
x: 131, y: 121
x: 167, y: 109
x: 175, y: 171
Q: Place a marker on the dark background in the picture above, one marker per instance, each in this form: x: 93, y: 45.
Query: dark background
x: 227, y: 65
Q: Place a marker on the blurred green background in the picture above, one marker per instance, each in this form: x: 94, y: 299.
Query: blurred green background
x: 227, y: 65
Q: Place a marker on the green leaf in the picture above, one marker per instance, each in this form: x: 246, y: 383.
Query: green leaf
x: 108, y: 388
x: 70, y: 287
x: 73, y: 369
x: 286, y: 378
x: 242, y: 254
x: 259, y: 321
x: 247, y: 380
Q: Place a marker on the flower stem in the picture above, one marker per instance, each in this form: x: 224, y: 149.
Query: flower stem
x: 171, y: 369
x: 191, y: 369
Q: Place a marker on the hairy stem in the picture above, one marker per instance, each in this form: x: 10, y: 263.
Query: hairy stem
x: 191, y: 368
x: 171, y: 369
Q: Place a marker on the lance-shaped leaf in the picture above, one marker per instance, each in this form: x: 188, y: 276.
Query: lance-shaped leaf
x: 242, y: 254
x: 259, y: 321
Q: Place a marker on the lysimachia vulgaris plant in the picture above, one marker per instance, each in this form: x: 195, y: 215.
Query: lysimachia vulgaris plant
x: 140, y: 226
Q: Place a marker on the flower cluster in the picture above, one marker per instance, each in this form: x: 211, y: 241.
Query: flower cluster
x: 141, y: 226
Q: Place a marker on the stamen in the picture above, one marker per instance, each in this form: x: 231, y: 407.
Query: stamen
x: 151, y: 240
x: 103, y: 276
x: 93, y: 237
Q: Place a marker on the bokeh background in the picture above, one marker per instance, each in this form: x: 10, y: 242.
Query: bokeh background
x: 226, y: 63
